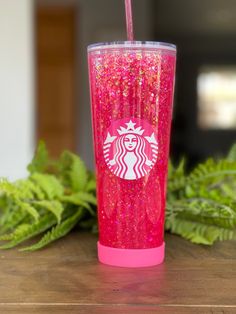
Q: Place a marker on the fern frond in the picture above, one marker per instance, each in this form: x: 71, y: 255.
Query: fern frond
x: 28, y: 208
x: 228, y: 190
x: 55, y: 207
x: 40, y: 160
x: 29, y: 190
x: 198, y: 233
x: 49, y: 184
x: 21, y: 189
x: 32, y: 230
x: 206, y: 172
x: 76, y: 199
x: 176, y: 176
x: 91, y: 183
x: 227, y: 234
x: 205, y: 211
x: 5, y: 214
x: 86, y: 197
x: 11, y: 218
x: 232, y: 154
x: 3, y: 203
x: 10, y: 236
x: 211, y: 169
x: 91, y: 186
x: 7, y: 188
x: 73, y: 171
x: 57, y: 232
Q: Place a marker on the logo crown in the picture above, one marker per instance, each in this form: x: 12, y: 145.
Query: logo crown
x: 130, y: 129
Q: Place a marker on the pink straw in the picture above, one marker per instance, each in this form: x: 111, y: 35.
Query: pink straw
x: 129, y: 20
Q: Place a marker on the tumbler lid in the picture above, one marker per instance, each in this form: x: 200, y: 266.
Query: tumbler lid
x: 132, y: 45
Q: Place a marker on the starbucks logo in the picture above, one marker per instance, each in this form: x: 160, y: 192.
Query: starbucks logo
x: 130, y: 148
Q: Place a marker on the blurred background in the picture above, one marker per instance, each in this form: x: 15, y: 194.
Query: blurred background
x: 44, y: 91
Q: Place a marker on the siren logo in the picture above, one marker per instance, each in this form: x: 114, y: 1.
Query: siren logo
x: 130, y: 148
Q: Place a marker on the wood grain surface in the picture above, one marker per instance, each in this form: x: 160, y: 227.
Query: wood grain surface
x: 67, y: 278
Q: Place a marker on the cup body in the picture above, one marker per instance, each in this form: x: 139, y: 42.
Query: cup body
x: 131, y: 89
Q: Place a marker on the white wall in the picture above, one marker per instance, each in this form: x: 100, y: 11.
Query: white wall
x: 16, y: 87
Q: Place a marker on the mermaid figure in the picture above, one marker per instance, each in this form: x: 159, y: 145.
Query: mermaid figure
x: 130, y: 157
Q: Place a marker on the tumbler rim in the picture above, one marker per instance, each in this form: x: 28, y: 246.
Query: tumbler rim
x: 132, y: 44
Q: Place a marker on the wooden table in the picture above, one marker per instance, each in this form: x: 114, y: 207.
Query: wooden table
x: 66, y: 278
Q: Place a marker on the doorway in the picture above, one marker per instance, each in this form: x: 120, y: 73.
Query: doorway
x: 56, y: 77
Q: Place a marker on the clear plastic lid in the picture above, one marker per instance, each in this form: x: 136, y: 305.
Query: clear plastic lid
x: 132, y: 45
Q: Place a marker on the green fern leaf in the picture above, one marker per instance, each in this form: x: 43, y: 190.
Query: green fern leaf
x: 3, y: 202
x: 212, y: 169
x: 11, y: 218
x: 232, y: 154
x: 21, y: 189
x: 91, y: 186
x: 204, y: 173
x: 76, y: 199
x: 55, y: 207
x: 5, y: 214
x: 19, y: 230
x: 7, y: 188
x: 91, y: 183
x: 24, y: 189
x: 40, y: 160
x: 28, y: 208
x: 86, y: 197
x: 197, y: 232
x: 57, y: 232
x: 49, y: 184
x: 227, y: 234
x: 73, y: 171
x: 32, y: 230
x: 29, y: 190
x: 176, y: 177
x: 205, y: 211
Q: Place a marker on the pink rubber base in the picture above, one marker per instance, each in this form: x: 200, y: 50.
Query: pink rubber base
x: 131, y: 257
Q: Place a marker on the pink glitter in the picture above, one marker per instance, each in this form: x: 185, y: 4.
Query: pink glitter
x: 131, y: 84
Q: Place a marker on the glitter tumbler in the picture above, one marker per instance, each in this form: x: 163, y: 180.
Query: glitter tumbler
x: 131, y: 88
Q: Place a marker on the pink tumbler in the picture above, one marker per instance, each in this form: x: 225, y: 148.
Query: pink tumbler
x: 131, y: 88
